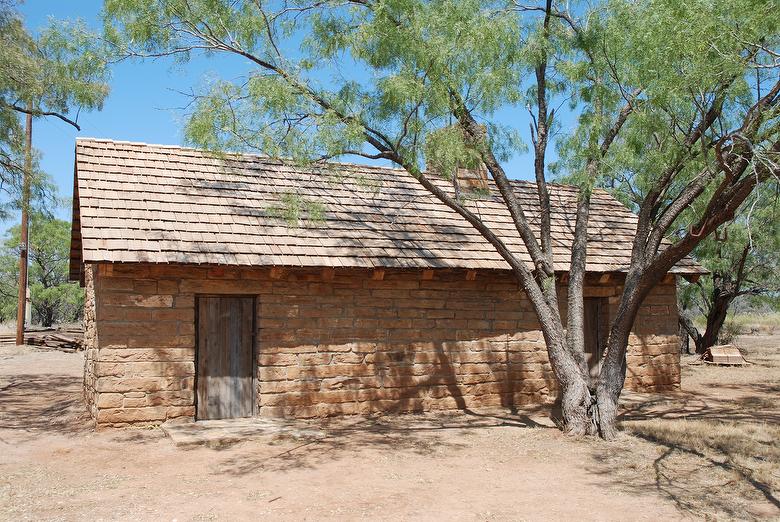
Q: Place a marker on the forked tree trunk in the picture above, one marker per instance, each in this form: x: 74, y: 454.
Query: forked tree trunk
x: 724, y: 291
x: 577, y: 408
x: 716, y: 317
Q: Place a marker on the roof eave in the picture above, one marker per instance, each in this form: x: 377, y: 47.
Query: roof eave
x: 76, y: 268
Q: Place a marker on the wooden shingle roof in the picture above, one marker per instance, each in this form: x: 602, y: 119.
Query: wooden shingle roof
x: 135, y: 202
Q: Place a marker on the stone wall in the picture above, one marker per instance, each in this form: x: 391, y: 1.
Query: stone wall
x: 90, y: 342
x: 653, y: 359
x: 345, y: 341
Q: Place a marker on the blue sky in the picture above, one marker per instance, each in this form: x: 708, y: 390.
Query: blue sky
x: 143, y: 104
x: 146, y: 103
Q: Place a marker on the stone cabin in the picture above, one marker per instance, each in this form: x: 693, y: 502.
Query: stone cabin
x: 206, y: 298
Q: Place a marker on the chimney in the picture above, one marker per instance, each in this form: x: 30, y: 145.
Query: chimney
x: 474, y: 178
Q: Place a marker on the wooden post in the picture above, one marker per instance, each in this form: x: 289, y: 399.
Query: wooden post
x: 22, y: 303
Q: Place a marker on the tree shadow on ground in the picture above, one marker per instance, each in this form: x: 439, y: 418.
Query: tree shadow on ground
x: 43, y: 403
x: 712, y: 454
x: 389, y: 435
x: 713, y: 482
x: 35, y: 404
x: 730, y: 465
x: 754, y: 403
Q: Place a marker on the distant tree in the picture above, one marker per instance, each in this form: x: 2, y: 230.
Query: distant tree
x: 743, y: 260
x: 676, y: 102
x: 54, y: 299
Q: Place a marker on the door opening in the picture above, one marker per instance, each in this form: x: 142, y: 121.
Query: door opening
x: 225, y: 357
x: 596, y: 323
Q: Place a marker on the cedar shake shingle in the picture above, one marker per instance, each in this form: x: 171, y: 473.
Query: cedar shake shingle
x: 135, y: 202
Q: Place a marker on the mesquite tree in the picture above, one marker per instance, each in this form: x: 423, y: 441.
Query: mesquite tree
x: 53, y: 74
x: 743, y: 260
x: 669, y: 104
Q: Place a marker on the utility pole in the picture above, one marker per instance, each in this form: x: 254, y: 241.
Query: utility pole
x: 20, y: 311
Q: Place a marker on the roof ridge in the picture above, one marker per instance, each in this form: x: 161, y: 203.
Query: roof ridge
x: 231, y: 153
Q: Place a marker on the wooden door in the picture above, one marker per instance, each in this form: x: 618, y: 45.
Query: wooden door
x: 595, y: 308
x: 225, y: 359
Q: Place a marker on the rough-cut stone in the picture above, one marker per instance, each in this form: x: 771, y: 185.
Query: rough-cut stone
x: 91, y: 345
x: 342, y: 342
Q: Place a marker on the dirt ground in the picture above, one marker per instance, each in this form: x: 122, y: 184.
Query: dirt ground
x: 711, y: 451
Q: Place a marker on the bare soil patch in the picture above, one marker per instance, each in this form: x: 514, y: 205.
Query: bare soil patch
x: 677, y: 453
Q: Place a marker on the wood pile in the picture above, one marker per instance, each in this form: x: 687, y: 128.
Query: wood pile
x: 67, y: 339
x: 726, y: 354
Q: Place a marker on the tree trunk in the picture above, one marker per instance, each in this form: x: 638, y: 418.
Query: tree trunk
x: 47, y: 317
x: 689, y: 330
x: 574, y: 396
x: 610, y: 385
x: 685, y: 340
x: 577, y: 408
x: 613, y: 367
x: 716, y: 316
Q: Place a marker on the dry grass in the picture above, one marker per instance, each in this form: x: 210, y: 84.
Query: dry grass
x: 748, y: 323
x: 715, y: 448
x: 740, y: 460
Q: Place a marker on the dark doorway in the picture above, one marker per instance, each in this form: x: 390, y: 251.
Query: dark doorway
x: 596, y: 321
x: 225, y: 357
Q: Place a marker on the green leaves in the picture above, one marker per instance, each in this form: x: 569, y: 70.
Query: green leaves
x: 293, y: 209
x: 446, y: 150
x: 54, y: 299
x: 387, y: 65
x: 685, y: 60
x: 73, y: 71
x: 382, y: 79
x: 743, y: 257
x: 62, y: 69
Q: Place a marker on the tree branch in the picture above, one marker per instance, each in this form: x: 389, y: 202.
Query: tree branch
x: 35, y: 112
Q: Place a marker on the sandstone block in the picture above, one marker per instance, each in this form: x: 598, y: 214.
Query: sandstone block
x: 146, y: 354
x: 346, y: 358
x: 171, y: 398
x: 131, y: 415
x: 146, y: 369
x: 143, y: 340
x: 168, y: 286
x: 131, y: 384
x: 173, y: 412
x: 145, y: 286
x: 277, y: 359
x: 315, y: 359
x: 116, y: 283
x: 272, y: 373
x: 110, y: 400
x: 156, y: 301
x: 132, y: 402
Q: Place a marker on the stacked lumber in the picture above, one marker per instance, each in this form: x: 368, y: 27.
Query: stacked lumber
x: 726, y: 354
x: 67, y: 339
